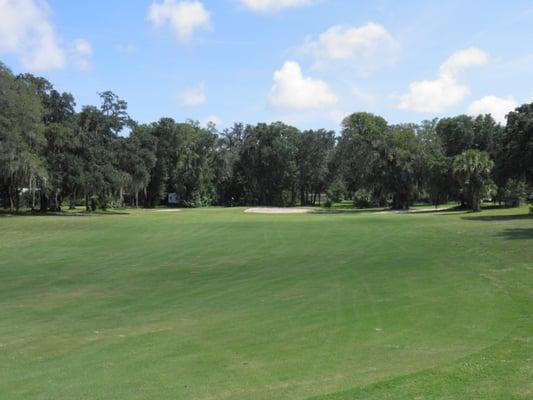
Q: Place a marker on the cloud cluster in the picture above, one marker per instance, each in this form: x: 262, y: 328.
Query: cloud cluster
x: 435, y: 96
x: 266, y: 6
x: 81, y: 53
x: 365, y: 47
x: 193, y: 96
x: 26, y: 31
x: 498, y: 107
x: 292, y: 91
x: 184, y: 17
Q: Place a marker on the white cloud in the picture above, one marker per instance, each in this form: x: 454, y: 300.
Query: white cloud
x: 128, y: 48
x: 292, y: 91
x: 214, y: 119
x: 462, y: 60
x: 82, y: 50
x: 337, y: 116
x: 498, y: 107
x: 435, y: 96
x: 366, y: 47
x: 26, y: 31
x: 274, y: 5
x: 193, y: 96
x: 83, y: 47
x: 184, y: 17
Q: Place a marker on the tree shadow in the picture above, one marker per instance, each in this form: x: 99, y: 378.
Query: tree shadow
x: 492, y: 218
x: 443, y: 211
x: 8, y: 214
x: 517, y: 234
x: 349, y: 210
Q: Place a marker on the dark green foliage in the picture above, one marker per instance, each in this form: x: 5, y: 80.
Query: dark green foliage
x: 517, y: 144
x: 267, y: 168
x: 336, y: 191
x: 472, y: 169
x: 514, y: 193
x: 363, y: 198
x: 182, y: 161
x: 50, y: 155
x: 362, y: 151
x: 22, y: 163
x: 314, y: 152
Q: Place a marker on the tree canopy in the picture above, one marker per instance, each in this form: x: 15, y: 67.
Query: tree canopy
x: 52, y: 155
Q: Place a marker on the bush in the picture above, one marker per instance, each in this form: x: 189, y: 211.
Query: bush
x: 336, y: 191
x: 514, y: 193
x: 363, y: 198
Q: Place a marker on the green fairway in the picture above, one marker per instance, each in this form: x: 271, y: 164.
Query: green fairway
x: 219, y: 304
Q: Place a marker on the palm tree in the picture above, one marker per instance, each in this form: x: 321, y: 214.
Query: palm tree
x: 472, y: 169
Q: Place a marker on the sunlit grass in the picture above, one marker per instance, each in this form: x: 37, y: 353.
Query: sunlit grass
x: 219, y: 304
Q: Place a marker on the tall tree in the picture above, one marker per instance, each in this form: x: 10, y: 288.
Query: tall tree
x: 362, y: 152
x: 403, y: 165
x: 267, y: 165
x: 314, y: 148
x: 517, y: 144
x: 456, y: 134
x: 22, y: 165
x: 472, y: 169
x: 101, y: 177
x: 229, y: 188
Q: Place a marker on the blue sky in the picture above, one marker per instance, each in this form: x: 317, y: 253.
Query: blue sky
x: 305, y: 62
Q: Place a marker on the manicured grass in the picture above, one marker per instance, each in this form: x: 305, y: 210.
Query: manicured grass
x: 218, y: 304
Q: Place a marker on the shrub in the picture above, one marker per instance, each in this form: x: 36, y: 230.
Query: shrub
x: 336, y: 191
x: 514, y: 193
x: 363, y: 198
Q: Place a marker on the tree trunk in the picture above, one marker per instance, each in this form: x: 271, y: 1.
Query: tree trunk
x: 476, y: 202
x: 145, y: 192
x: 10, y: 193
x: 43, y: 200
x: 400, y: 201
x: 57, y: 207
x: 32, y: 191
x: 72, y: 204
x: 17, y: 200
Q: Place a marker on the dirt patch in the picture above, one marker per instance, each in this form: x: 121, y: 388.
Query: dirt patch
x: 278, y: 210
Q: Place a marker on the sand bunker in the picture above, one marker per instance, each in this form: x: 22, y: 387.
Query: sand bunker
x: 167, y: 210
x: 277, y: 210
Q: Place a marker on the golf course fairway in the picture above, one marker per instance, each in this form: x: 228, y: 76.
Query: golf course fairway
x: 221, y: 304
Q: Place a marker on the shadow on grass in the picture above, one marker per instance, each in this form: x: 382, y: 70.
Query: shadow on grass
x: 449, y: 211
x: 492, y: 218
x: 517, y: 234
x: 6, y: 214
x: 348, y: 210
x: 412, y: 211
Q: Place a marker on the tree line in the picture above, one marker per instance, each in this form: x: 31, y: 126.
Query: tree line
x: 52, y: 156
